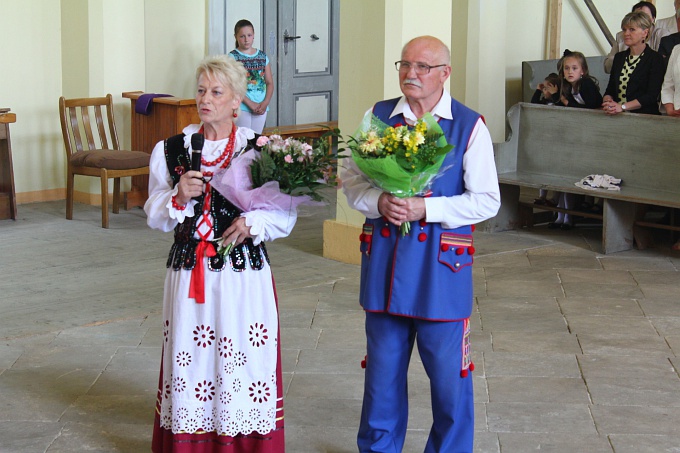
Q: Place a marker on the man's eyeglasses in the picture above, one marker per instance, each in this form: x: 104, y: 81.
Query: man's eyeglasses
x: 420, y: 68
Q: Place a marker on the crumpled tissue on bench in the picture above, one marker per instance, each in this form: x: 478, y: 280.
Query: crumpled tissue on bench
x: 593, y: 182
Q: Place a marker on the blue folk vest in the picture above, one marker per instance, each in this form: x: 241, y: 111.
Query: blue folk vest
x: 426, y: 274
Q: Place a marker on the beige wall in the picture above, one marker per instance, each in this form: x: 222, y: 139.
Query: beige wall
x: 359, y: 85
x: 82, y: 48
x: 102, y: 52
x: 176, y: 41
x: 31, y: 84
x: 91, y: 47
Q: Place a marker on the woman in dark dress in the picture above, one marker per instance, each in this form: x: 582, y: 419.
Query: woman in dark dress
x: 637, y: 73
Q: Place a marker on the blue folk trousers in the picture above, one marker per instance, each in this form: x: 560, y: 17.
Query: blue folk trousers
x: 384, y: 413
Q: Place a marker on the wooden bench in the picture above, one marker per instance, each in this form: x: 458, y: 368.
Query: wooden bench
x: 535, y: 72
x: 554, y: 147
x: 308, y: 131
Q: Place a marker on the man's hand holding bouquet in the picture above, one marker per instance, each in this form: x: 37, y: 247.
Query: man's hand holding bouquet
x: 400, y: 160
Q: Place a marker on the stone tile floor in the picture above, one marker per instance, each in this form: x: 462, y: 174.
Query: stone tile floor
x: 575, y: 351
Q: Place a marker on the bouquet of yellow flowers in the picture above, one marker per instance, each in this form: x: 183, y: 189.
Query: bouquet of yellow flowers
x: 400, y: 160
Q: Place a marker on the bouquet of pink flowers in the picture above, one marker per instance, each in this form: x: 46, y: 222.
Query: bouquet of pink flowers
x: 277, y: 174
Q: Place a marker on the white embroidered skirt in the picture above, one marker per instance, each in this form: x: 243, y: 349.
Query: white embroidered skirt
x: 220, y: 357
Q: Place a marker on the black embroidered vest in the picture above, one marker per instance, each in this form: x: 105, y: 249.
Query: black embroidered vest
x: 183, y: 252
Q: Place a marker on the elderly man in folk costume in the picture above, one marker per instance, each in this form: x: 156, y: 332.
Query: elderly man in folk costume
x: 417, y: 288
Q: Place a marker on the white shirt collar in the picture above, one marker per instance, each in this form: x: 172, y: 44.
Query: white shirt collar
x: 441, y: 110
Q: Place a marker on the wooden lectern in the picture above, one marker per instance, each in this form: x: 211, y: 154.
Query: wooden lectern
x: 8, y: 201
x: 168, y: 116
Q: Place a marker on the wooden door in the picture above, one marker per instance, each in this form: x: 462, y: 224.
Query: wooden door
x: 308, y: 35
x: 305, y: 69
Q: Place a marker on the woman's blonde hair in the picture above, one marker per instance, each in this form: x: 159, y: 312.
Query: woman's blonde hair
x: 638, y: 19
x: 227, y: 71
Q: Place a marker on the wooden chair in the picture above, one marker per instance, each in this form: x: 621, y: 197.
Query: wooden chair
x: 88, y: 152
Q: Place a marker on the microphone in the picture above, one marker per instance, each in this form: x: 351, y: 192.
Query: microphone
x: 197, y: 141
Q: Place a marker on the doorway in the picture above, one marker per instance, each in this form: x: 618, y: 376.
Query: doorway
x: 301, y: 39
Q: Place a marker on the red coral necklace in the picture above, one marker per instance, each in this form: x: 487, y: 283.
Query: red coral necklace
x: 224, y: 157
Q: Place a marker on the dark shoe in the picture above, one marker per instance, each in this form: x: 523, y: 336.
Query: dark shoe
x: 565, y: 227
x: 554, y: 226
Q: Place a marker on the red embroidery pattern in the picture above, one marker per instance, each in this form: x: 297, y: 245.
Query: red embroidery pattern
x: 179, y: 385
x: 240, y: 359
x: 182, y: 413
x: 247, y: 425
x: 183, y: 359
x: 263, y: 426
x: 466, y: 365
x: 166, y: 330
x: 204, y: 336
x: 258, y: 335
x: 259, y: 392
x: 225, y: 398
x: 205, y: 391
x: 225, y: 347
x: 191, y: 425
x: 207, y: 423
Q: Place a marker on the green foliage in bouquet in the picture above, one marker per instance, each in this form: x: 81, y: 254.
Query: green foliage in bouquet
x: 397, y: 159
x: 400, y: 160
x: 298, y: 167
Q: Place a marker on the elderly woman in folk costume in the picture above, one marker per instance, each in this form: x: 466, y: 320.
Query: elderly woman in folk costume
x: 220, y: 382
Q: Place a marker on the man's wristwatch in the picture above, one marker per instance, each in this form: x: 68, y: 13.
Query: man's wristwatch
x: 623, y: 106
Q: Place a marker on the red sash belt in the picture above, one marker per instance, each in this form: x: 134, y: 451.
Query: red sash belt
x: 197, y: 285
